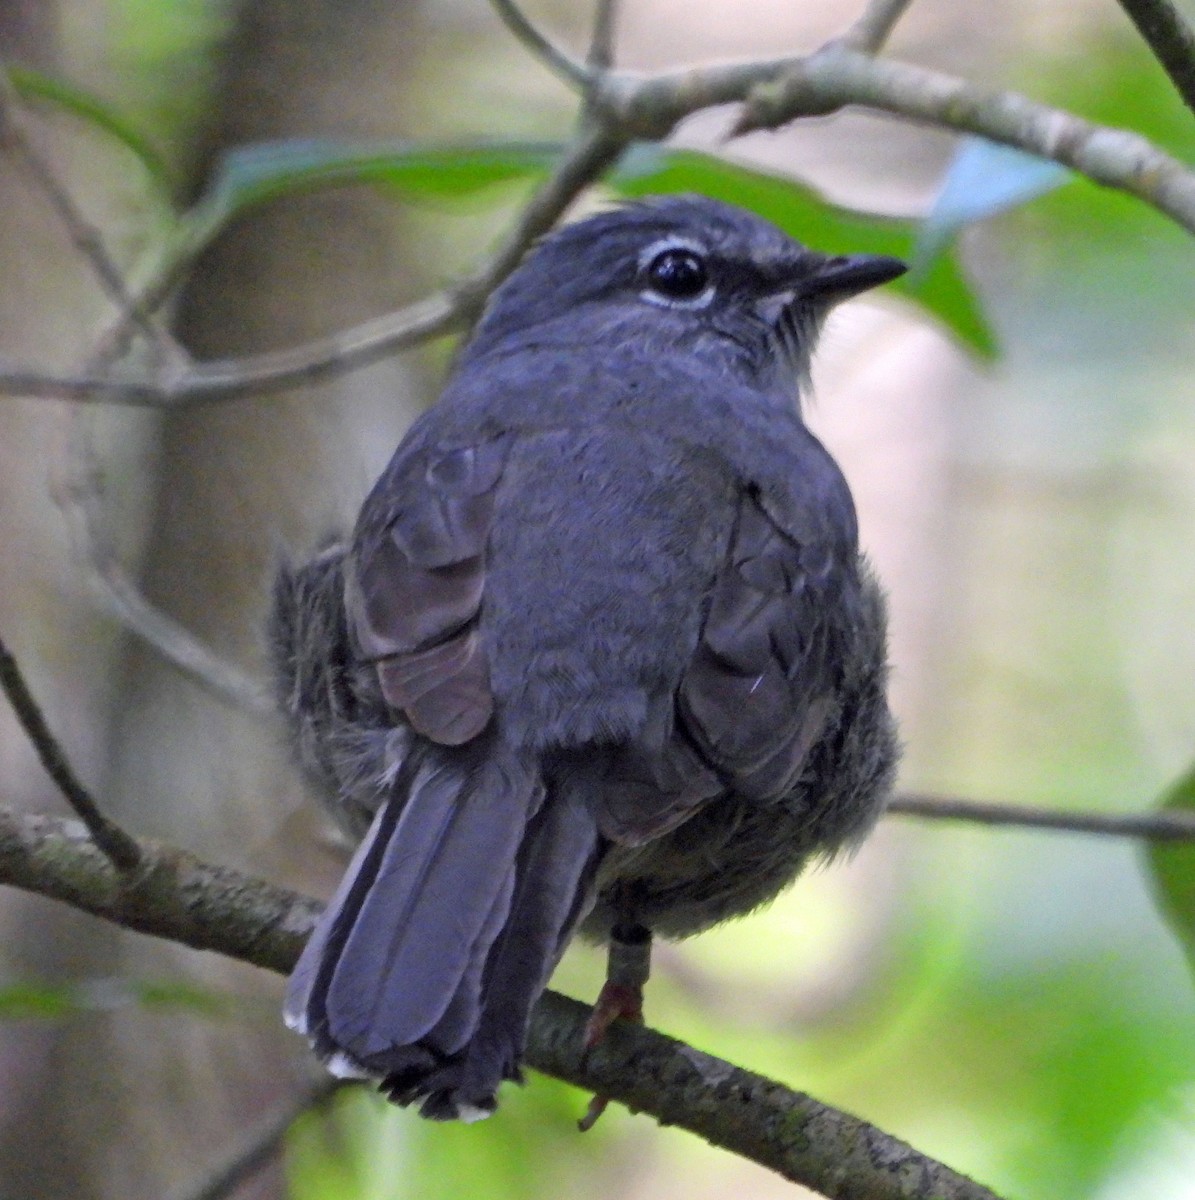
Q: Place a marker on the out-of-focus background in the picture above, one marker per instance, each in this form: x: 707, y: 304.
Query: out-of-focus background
x: 1008, y: 1001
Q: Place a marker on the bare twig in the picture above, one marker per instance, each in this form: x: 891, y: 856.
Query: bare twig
x: 117, y: 845
x: 1170, y: 38
x: 256, y: 374
x: 628, y: 106
x: 262, y: 1146
x: 601, y: 44
x: 575, y: 74
x: 1152, y: 826
x: 259, y: 374
x: 83, y: 496
x: 836, y: 77
x: 80, y: 498
x: 84, y: 236
x: 177, y: 644
x: 593, y: 151
x: 176, y: 896
x: 872, y: 30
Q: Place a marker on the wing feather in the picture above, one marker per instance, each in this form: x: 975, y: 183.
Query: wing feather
x: 414, y: 585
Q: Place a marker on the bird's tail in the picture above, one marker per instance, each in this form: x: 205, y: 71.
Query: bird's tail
x: 424, y: 967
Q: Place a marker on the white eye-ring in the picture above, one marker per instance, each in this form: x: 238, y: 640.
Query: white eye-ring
x: 676, y: 274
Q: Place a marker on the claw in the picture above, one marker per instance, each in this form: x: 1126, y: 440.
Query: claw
x: 621, y: 997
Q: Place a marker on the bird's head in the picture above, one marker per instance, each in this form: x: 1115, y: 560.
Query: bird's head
x: 680, y: 273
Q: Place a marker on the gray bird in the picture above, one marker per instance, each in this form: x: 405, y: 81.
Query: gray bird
x: 600, y: 654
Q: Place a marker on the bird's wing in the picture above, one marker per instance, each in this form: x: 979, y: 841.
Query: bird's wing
x: 759, y: 690
x: 761, y: 685
x: 414, y: 582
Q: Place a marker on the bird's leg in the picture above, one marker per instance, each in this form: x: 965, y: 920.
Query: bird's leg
x: 627, y: 970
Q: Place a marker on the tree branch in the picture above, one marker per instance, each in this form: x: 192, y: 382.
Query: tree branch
x: 872, y: 30
x: 262, y: 1147
x: 119, y: 847
x: 627, y: 105
x: 576, y: 74
x: 835, y: 77
x: 601, y: 43
x: 594, y: 149
x: 173, y: 895
x: 257, y: 374
x: 84, y: 236
x: 822, y: 1148
x: 1154, y: 826
x: 179, y: 897
x: 1170, y: 38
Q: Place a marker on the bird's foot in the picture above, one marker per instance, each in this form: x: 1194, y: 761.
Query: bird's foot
x: 621, y: 997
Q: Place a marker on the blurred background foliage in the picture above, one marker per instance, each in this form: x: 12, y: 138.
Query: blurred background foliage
x: 1019, y: 432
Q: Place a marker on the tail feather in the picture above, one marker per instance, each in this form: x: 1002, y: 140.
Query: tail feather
x: 424, y: 968
x: 408, y: 930
x: 552, y: 892
x: 444, y: 869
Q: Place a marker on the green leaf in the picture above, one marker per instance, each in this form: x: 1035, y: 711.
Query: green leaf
x: 265, y: 171
x: 26, y: 1001
x: 33, y: 85
x: 256, y: 174
x: 1172, y: 869
x: 983, y: 180
x: 941, y: 290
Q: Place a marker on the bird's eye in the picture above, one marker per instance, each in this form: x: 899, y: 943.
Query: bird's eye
x: 677, y: 274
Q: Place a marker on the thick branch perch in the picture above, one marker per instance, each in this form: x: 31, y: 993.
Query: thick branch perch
x: 176, y: 896
x: 823, y: 1148
x: 172, y: 894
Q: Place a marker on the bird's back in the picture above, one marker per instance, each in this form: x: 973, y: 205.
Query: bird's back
x: 603, y: 550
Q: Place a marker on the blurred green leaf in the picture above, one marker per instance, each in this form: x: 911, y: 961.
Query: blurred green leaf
x: 942, y: 290
x: 362, y: 1148
x: 1103, y: 255
x: 33, y: 85
x: 983, y: 180
x: 265, y: 171
x: 1109, y: 76
x: 259, y: 173
x: 25, y: 1000
x: 1172, y: 869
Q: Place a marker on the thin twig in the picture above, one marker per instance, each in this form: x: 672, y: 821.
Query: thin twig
x: 595, y: 149
x: 83, y: 496
x: 871, y: 31
x: 84, y: 236
x: 1170, y: 38
x: 1152, y: 826
x: 576, y: 74
x: 629, y: 106
x: 262, y: 1147
x: 213, y: 908
x: 119, y: 846
x: 601, y: 43
x: 177, y: 644
x: 80, y: 499
x: 257, y: 374
x: 335, y: 354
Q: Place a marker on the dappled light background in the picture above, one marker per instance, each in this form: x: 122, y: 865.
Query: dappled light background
x: 1007, y: 1001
